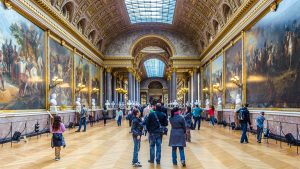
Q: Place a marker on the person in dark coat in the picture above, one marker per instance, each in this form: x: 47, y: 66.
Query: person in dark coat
x: 137, y: 132
x: 155, y: 135
x: 188, y: 122
x: 177, y: 136
x: 105, y: 115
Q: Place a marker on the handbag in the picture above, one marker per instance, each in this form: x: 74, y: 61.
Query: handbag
x: 162, y: 130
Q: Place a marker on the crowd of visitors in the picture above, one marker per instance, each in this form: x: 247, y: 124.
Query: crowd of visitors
x: 154, y: 119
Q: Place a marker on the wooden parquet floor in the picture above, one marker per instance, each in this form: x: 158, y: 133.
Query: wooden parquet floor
x: 110, y: 147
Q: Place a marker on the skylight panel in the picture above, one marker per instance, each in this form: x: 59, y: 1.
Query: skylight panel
x: 147, y: 11
x: 154, y: 68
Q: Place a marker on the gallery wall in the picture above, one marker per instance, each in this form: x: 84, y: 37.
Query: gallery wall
x: 265, y: 58
x: 30, y: 58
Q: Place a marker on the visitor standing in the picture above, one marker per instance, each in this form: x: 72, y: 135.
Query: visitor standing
x: 197, y: 116
x: 260, y: 126
x: 119, y: 116
x: 154, y: 123
x: 244, y: 118
x: 105, y: 115
x: 57, y: 128
x: 177, y: 136
x: 137, y: 132
x: 188, y: 123
x: 211, y: 113
x: 83, y: 116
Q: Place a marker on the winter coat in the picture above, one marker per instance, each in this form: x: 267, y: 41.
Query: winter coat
x: 178, y: 130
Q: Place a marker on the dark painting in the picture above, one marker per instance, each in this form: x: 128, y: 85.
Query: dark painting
x: 217, y: 79
x: 95, y: 78
x: 233, y: 67
x: 206, y: 83
x: 272, y: 48
x: 22, y: 61
x: 82, y: 77
x: 60, y: 59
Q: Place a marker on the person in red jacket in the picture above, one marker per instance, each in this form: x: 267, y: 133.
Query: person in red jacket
x: 211, y: 113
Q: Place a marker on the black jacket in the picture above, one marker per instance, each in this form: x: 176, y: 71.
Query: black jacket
x: 137, y: 127
x: 247, y: 116
x: 164, y: 110
x: 152, y: 124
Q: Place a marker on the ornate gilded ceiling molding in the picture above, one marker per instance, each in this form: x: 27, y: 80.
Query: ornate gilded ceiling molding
x: 42, y: 19
x: 118, y: 63
x: 252, y: 11
x: 43, y: 4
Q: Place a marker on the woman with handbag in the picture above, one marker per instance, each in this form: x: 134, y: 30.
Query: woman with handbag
x: 188, y: 123
x: 177, y: 136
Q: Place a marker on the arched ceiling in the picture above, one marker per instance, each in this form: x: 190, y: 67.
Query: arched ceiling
x: 102, y: 20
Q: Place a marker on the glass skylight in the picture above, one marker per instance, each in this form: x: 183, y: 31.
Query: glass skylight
x: 145, y: 11
x: 154, y: 68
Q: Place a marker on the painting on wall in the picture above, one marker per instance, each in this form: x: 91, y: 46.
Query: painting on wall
x: 82, y: 79
x: 60, y: 59
x: 22, y: 61
x: 95, y: 79
x: 217, y: 79
x: 206, y: 84
x: 233, y: 69
x: 272, y: 48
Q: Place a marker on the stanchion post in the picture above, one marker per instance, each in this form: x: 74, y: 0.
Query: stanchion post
x: 280, y: 126
x: 11, y: 135
x: 297, y: 139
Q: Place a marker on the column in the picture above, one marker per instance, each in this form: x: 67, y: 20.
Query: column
x: 130, y: 78
x: 137, y: 89
x: 190, y: 90
x: 115, y: 97
x: 101, y: 88
x: 133, y: 87
x: 169, y: 88
x: 186, y: 95
x: 174, y: 85
x: 195, y: 84
x: 108, y: 85
x: 121, y: 86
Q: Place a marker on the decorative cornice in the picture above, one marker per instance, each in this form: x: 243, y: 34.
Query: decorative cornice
x: 58, y: 17
x: 36, y: 14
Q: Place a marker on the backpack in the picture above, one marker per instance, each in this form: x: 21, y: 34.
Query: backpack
x: 16, y: 136
x: 290, y: 139
x: 242, y: 114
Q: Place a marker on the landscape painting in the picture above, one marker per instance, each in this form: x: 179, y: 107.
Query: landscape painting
x: 206, y: 84
x: 217, y: 79
x: 60, y: 59
x: 95, y: 78
x: 233, y: 68
x: 82, y: 79
x: 22, y: 63
x: 272, y: 48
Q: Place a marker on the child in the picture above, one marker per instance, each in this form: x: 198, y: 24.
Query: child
x: 57, y: 128
x: 137, y: 132
x: 260, y: 126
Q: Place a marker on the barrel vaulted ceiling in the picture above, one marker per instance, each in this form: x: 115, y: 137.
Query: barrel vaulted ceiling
x: 103, y: 20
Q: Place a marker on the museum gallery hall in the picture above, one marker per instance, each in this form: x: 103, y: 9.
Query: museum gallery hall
x: 117, y: 84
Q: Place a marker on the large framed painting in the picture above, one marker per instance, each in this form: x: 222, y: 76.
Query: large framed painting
x: 82, y: 79
x: 233, y: 69
x: 22, y: 63
x: 217, y: 79
x: 206, y: 84
x: 95, y: 79
x: 272, y: 48
x: 60, y: 59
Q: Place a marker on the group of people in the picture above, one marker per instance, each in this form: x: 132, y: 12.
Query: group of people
x: 154, y: 120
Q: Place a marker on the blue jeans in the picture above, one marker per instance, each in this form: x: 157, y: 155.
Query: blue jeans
x: 136, y: 149
x: 155, y: 140
x: 259, y: 133
x: 174, y: 154
x: 212, y: 120
x: 119, y: 121
x: 244, y: 132
x: 197, y: 120
x: 82, y: 121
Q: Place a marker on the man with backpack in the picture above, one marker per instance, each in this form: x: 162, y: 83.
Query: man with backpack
x: 83, y: 116
x: 197, y: 116
x: 244, y: 118
x: 155, y: 123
